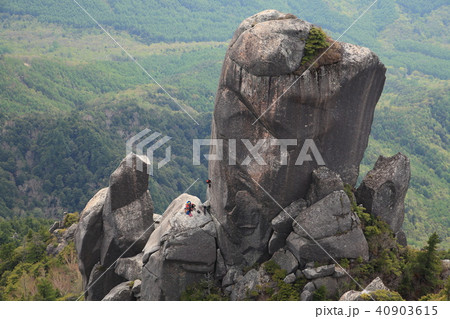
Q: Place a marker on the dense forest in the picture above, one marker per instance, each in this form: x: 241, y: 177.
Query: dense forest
x: 69, y: 98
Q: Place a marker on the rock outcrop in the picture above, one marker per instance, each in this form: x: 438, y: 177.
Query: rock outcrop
x: 117, y: 220
x: 282, y: 225
x: 63, y: 238
x: 121, y: 292
x: 334, y: 226
x: 179, y: 253
x: 383, y: 190
x: 272, y: 197
x: 353, y: 295
x: 331, y: 104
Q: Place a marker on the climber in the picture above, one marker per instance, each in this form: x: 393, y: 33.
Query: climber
x: 188, y: 208
x: 208, y: 181
x: 206, y: 207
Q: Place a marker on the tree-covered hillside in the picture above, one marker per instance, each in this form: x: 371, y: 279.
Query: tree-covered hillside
x: 69, y: 98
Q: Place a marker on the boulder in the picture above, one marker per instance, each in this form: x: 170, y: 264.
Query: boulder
x: 121, y: 292
x: 89, y: 234
x: 290, y: 279
x: 350, y: 245
x: 128, y: 210
x: 244, y: 284
x: 54, y: 227
x: 286, y: 260
x: 319, y: 272
x: 282, y: 225
x: 331, y: 104
x: 310, y: 287
x: 136, y: 289
x: 179, y: 253
x: 129, y: 268
x: 115, y: 223
x: 101, y: 281
x: 324, y: 182
x: 69, y: 234
x: 352, y: 295
x: 231, y: 276
x: 333, y: 226
x: 330, y: 284
x: 63, y: 237
x: 376, y: 284
x: 248, y: 282
x: 339, y: 272
x: 400, y: 236
x: 383, y: 190
x: 306, y: 296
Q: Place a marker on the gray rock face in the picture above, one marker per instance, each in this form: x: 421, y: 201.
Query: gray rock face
x: 319, y: 272
x: 89, y: 234
x: 383, y: 190
x: 282, y: 225
x: 117, y: 218
x: 231, y: 276
x: 332, y: 104
x: 179, y: 253
x: 248, y: 282
x: 221, y: 269
x: 445, y: 269
x: 306, y: 296
x: 63, y: 237
x: 136, y: 289
x: 289, y: 279
x: 400, y: 236
x: 285, y: 260
x: 334, y: 226
x: 128, y: 210
x: 352, y: 295
x: 330, y: 284
x: 157, y: 219
x: 100, y: 282
x: 121, y: 292
x: 129, y: 268
x: 324, y: 182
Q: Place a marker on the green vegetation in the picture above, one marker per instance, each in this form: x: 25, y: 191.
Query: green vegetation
x: 70, y: 219
x: 316, y: 41
x: 320, y: 294
x: 422, y: 271
x: 27, y: 272
x: 278, y: 290
x: 399, y: 267
x: 205, y: 290
x: 382, y: 295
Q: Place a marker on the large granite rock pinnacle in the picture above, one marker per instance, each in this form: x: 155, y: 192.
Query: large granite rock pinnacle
x: 117, y: 220
x: 383, y: 190
x: 332, y: 104
x: 180, y: 252
x: 128, y: 210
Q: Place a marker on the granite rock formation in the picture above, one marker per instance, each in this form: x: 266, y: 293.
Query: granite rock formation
x: 261, y: 97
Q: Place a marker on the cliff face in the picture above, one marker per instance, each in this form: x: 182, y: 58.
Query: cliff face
x: 332, y: 104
